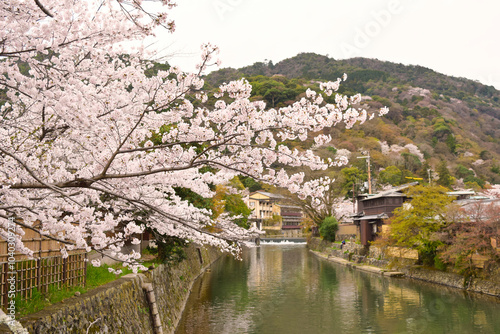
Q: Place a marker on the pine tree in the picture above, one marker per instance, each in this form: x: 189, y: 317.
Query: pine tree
x: 445, y: 179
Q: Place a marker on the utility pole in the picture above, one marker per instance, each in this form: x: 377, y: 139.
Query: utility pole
x: 429, y: 173
x: 367, y: 157
x: 353, y: 199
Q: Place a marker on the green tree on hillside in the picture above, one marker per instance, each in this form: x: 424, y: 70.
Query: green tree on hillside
x: 351, y: 176
x: 274, y: 90
x: 469, y: 177
x: 411, y: 162
x: 463, y: 172
x: 452, y: 143
x: 391, y: 175
x: 233, y: 204
x: 250, y: 183
x: 445, y: 179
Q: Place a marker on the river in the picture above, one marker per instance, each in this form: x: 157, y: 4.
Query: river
x: 286, y: 289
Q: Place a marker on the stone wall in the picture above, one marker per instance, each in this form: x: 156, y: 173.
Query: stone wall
x: 117, y: 307
x: 173, y: 285
x: 374, y: 257
x: 121, y: 306
x: 336, y: 249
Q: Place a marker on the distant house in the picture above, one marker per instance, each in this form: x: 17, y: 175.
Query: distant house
x: 291, y: 219
x: 269, y: 212
x: 463, y: 196
x: 373, y: 209
x: 263, y: 204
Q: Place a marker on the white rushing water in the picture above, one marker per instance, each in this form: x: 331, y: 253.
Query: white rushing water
x: 281, y: 242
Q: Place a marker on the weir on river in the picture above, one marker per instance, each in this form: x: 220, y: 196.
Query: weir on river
x: 283, y: 288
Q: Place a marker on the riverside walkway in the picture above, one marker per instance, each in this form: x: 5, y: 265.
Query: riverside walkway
x: 362, y: 267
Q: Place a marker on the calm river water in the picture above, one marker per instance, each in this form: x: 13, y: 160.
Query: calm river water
x: 285, y: 289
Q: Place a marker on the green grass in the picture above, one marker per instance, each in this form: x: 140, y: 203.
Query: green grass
x: 96, y: 276
x: 39, y: 301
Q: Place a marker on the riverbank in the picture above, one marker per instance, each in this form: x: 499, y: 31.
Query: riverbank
x: 135, y: 303
x: 372, y: 260
x: 367, y: 268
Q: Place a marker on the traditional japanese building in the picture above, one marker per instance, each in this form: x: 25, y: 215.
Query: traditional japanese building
x: 374, y: 209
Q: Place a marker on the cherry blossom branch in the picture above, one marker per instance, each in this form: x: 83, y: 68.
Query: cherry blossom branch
x: 46, y: 185
x: 20, y: 223
x: 31, y: 50
x: 4, y: 83
x: 111, y: 159
x: 46, y: 12
x: 155, y: 147
x: 66, y: 242
x: 141, y: 204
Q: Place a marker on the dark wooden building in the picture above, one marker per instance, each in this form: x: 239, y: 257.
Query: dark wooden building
x: 373, y: 209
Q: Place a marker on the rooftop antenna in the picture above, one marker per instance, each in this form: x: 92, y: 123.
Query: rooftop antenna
x: 367, y: 157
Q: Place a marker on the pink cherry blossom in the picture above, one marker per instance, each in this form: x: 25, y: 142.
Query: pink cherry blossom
x: 92, y: 146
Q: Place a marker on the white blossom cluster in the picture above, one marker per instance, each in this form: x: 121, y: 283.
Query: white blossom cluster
x: 478, y: 162
x: 397, y: 149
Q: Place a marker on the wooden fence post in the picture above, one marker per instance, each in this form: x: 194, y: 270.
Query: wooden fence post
x: 38, y: 272
x: 65, y: 263
x: 85, y: 270
x: 5, y: 270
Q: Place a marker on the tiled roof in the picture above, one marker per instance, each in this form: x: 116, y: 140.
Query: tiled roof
x: 372, y: 217
x: 393, y: 192
x: 268, y: 194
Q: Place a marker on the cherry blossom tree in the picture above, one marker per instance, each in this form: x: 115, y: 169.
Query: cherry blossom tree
x: 475, y: 233
x: 327, y: 202
x: 493, y: 191
x: 80, y: 109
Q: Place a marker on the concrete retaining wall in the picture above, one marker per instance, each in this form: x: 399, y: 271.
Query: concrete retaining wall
x: 121, y: 306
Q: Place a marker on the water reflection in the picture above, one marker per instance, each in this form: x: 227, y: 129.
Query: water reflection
x: 285, y: 289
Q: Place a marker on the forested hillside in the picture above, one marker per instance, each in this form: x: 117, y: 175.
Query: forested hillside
x: 448, y: 125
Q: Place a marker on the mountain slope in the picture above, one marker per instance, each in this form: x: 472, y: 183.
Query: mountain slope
x: 452, y: 119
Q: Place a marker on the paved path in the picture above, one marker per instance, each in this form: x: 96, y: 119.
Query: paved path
x: 362, y: 267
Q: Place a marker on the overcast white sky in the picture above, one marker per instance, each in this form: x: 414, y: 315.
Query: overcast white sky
x: 454, y: 37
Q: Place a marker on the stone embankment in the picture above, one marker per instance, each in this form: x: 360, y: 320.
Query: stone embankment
x: 124, y: 305
x: 362, y: 267
x: 372, y: 260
